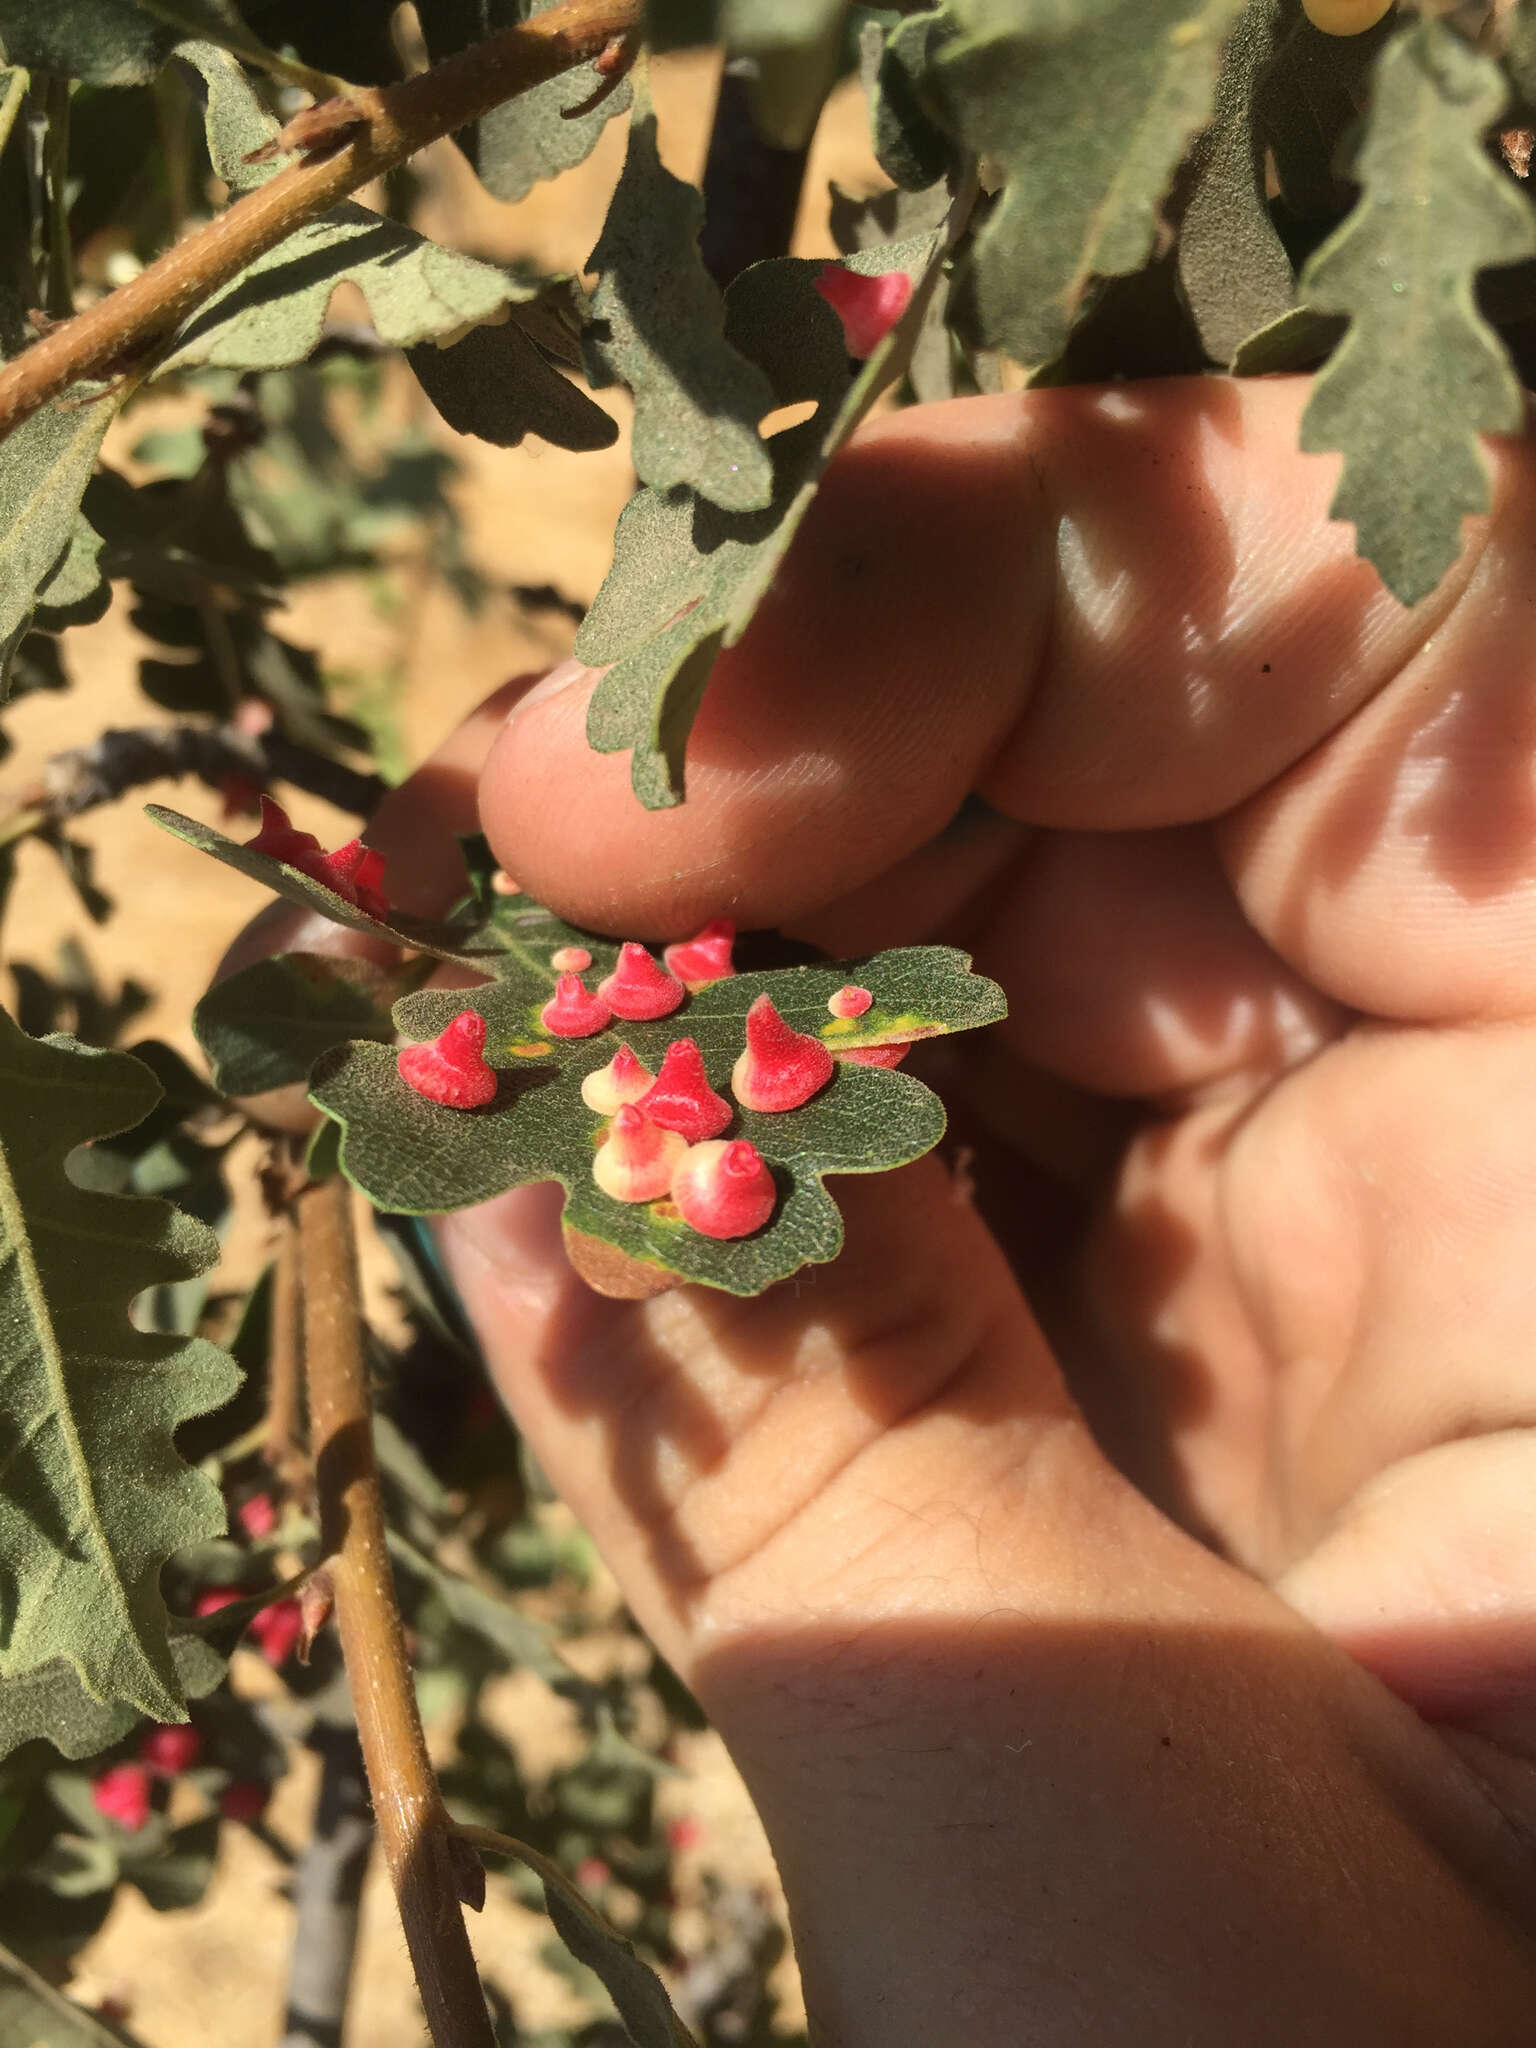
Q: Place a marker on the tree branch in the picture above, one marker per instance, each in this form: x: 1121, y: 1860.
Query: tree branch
x: 80, y: 778
x: 425, y: 1864
x: 393, y: 122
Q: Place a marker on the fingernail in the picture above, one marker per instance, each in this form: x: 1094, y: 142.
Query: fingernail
x: 561, y: 677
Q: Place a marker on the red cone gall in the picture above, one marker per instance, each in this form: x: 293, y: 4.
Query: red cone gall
x: 636, y: 1163
x: 724, y: 1189
x: 245, y: 1799
x: 868, y: 307
x: 682, y: 1099
x: 451, y: 1068
x: 704, y: 958
x: 639, y: 987
x: 121, y: 1793
x: 172, y: 1748
x: 573, y: 1011
x: 624, y: 1079
x: 276, y: 1629
x: 357, y: 872
x: 257, y: 1516
x: 781, y: 1067
x: 278, y: 839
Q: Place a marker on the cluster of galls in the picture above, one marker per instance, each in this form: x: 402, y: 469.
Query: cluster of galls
x: 354, y: 871
x: 663, y: 1137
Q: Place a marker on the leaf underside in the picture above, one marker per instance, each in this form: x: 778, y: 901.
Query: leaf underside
x: 95, y: 1497
x: 1087, y: 106
x: 411, y: 1155
x: 1432, y: 213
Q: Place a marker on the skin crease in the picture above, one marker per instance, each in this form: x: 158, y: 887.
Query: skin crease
x: 1170, y: 1682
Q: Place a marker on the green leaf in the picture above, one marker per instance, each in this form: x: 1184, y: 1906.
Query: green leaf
x: 656, y: 322
x: 267, y: 1025
x: 1297, y: 340
x: 687, y: 576
x: 51, y: 1705
x: 496, y: 1619
x: 1088, y: 106
x: 636, y: 1990
x: 1232, y: 263
x: 495, y: 383
x: 1420, y: 374
x: 271, y: 315
x: 912, y: 145
x: 527, y: 138
x: 448, y: 940
x: 1306, y: 107
x: 95, y: 1496
x: 45, y: 465
x: 409, y: 1154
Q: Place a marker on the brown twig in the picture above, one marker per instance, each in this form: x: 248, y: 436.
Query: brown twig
x: 280, y: 1446
x: 414, y: 1828
x: 81, y: 778
x: 398, y: 120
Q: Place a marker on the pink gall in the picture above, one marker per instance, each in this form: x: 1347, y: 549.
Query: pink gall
x: 173, y: 1748
x: 868, y: 307
x: 724, y: 1189
x: 573, y: 1011
x: 637, y: 1161
x: 682, y: 1099
x: 639, y: 988
x: 257, y: 1516
x: 704, y: 958
x: 780, y: 1067
x: 121, y: 1793
x: 849, y: 1001
x: 451, y: 1069
x: 571, y: 960
x: 276, y: 1630
x: 244, y: 1799
x: 625, y: 1079
x: 212, y: 1599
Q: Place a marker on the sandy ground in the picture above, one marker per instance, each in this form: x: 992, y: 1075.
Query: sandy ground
x: 533, y: 515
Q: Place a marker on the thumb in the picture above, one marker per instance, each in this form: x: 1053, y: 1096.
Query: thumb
x: 731, y: 1456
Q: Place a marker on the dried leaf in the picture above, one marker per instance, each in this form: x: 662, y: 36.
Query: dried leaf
x: 45, y: 544
x: 656, y: 322
x: 96, y: 1496
x: 1420, y: 374
x: 1088, y: 106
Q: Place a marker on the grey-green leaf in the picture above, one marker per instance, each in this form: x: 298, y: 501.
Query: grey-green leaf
x: 45, y: 465
x: 493, y: 382
x: 1232, y: 264
x: 1420, y: 374
x: 50, y: 1704
x: 34, y: 2015
x: 1088, y: 106
x: 95, y: 1497
x: 265, y: 1026
x: 687, y: 576
x: 656, y: 322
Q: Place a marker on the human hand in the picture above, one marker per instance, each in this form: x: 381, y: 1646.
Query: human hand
x: 1052, y: 1747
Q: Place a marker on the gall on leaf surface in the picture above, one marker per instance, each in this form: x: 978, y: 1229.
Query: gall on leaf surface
x: 687, y: 575
x: 412, y: 1155
x: 1420, y: 374
x: 1088, y: 107
x: 96, y: 1495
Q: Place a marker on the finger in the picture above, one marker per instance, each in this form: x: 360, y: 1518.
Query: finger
x: 1104, y: 609
x: 1395, y: 867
